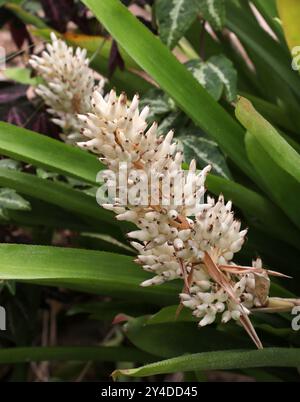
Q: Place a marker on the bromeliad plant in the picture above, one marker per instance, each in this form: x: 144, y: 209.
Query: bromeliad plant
x: 196, y: 250
x: 171, y: 244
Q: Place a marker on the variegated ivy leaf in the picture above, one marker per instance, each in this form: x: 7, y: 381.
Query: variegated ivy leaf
x: 174, y: 17
x: 9, y: 199
x: 217, y: 75
x: 205, y: 151
x: 158, y: 102
x: 173, y: 121
x: 213, y: 11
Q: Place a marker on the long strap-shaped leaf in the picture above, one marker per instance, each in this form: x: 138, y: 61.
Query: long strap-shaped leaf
x: 267, y: 50
x: 283, y: 154
x: 55, y: 193
x: 157, y: 60
x: 91, y: 271
x: 31, y: 147
x: 225, y: 360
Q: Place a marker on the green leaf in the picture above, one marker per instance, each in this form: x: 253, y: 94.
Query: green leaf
x: 174, y: 17
x: 282, y: 153
x: 54, y: 218
x: 170, y: 314
x: 282, y: 187
x: 206, y: 152
x: 269, y: 12
x: 31, y: 147
x: 226, y: 74
x: 172, y: 77
x: 174, y: 338
x: 9, y: 199
x: 225, y: 360
x: 207, y: 77
x: 217, y: 75
x: 73, y: 353
x: 274, y: 113
x: 89, y: 271
x: 21, y: 75
x: 213, y: 11
x: 108, y: 239
x: 58, y: 194
x: 270, y: 54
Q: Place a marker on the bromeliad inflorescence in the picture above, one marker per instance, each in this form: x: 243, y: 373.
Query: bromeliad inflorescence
x: 171, y: 244
x: 68, y: 84
x: 194, y: 240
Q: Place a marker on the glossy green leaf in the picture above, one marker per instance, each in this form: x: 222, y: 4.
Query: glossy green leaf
x: 89, y: 271
x: 283, y: 154
x: 172, y: 76
x: 225, y: 360
x: 31, y: 147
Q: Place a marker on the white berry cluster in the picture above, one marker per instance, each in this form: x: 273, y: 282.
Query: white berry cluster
x: 68, y: 84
